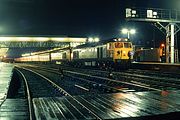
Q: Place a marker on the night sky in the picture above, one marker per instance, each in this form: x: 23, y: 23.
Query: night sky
x: 78, y: 18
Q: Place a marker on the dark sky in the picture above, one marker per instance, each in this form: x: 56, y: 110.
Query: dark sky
x: 102, y: 18
x: 77, y: 18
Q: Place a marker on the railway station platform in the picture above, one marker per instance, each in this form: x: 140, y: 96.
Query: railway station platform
x: 132, y: 106
x: 10, y: 109
x: 6, y: 71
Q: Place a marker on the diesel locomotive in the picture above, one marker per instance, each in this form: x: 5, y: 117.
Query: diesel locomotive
x: 114, y: 53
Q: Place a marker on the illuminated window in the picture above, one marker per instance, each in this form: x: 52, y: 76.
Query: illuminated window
x: 118, y: 45
x: 127, y: 45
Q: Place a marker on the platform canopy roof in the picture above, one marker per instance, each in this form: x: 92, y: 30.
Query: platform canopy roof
x: 40, y: 39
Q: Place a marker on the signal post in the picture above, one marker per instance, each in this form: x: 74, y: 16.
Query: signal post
x: 165, y: 20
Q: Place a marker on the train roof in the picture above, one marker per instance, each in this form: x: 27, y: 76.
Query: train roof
x: 89, y: 45
x: 102, y: 42
x: 117, y: 39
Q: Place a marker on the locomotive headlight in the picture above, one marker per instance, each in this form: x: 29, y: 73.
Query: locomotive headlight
x: 124, y: 52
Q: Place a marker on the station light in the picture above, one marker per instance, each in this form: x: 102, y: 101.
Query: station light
x: 131, y: 13
x: 124, y: 31
x: 128, y: 32
x: 132, y: 31
x: 96, y: 39
x: 90, y: 39
x: 162, y: 45
x: 152, y: 14
x: 93, y: 39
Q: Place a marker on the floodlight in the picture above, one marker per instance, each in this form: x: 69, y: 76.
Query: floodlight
x: 132, y: 31
x: 124, y: 31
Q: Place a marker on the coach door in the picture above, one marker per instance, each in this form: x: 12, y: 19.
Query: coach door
x: 100, y: 52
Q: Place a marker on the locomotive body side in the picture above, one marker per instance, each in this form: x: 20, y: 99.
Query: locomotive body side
x: 112, y: 54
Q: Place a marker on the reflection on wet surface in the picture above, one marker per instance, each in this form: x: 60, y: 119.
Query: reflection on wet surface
x: 118, y: 105
x: 5, y: 77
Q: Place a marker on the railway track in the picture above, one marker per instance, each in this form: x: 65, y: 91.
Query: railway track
x: 89, y: 80
x: 40, y: 86
x: 154, y: 79
x: 74, y: 84
x: 18, y: 103
x: 51, y: 85
x: 164, y: 81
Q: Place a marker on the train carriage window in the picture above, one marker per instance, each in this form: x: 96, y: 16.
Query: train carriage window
x: 110, y: 46
x: 118, y: 45
x: 64, y: 55
x: 127, y: 45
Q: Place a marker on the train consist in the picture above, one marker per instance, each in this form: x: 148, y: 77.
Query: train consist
x: 113, y: 53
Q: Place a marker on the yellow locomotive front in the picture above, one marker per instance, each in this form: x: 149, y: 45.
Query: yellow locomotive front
x: 121, y: 51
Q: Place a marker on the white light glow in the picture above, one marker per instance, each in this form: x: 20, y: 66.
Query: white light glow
x: 132, y: 31
x: 90, y: 39
x: 96, y: 39
x: 125, y: 31
x: 41, y: 39
x: 26, y: 54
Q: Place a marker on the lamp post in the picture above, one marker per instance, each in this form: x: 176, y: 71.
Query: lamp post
x: 128, y: 32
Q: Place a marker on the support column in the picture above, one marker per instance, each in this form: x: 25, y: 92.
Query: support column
x: 172, y: 43
x: 167, y: 44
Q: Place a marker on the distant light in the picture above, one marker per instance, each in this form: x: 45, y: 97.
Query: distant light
x: 155, y: 13
x: 124, y: 31
x: 133, y: 11
x: 128, y: 32
x: 115, y: 39
x: 93, y: 39
x: 90, y: 39
x: 4, y: 56
x: 149, y: 14
x: 162, y: 45
x: 132, y: 31
x: 119, y: 39
x: 96, y: 39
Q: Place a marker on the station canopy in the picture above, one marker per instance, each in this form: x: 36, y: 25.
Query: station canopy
x: 41, y: 39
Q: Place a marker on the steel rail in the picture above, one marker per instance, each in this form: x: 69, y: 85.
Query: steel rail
x: 66, y: 93
x: 89, y: 81
x: 132, y: 84
x: 28, y: 94
x: 111, y: 80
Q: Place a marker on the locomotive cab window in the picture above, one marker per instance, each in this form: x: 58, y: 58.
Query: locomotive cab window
x: 127, y: 45
x: 118, y: 45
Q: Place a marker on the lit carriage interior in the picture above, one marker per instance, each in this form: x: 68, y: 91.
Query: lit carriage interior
x: 106, y: 53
